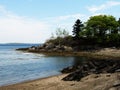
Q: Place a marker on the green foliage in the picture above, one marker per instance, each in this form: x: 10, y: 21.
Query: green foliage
x: 61, y: 32
x: 100, y: 30
x: 61, y: 41
x: 101, y: 25
x: 61, y: 37
x: 114, y: 38
x: 119, y: 25
x: 77, y: 28
x: 103, y: 29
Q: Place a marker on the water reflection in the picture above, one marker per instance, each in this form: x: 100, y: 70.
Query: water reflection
x: 79, y: 60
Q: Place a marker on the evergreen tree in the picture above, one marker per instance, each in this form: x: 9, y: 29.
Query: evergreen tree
x: 119, y: 26
x: 77, y: 28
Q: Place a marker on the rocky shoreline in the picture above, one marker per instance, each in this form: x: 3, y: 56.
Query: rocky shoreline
x: 107, y: 60
x: 91, y: 67
x: 50, y: 49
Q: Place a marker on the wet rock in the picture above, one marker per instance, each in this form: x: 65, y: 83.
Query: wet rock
x: 91, y: 67
x: 69, y: 69
x: 75, y: 76
x: 22, y: 49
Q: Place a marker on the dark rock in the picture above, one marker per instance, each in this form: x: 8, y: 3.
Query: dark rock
x: 75, y: 76
x: 33, y: 48
x: 72, y: 84
x: 91, y: 67
x: 76, y: 48
x: 69, y: 69
x: 23, y: 49
x: 118, y: 70
x: 108, y: 75
x: 116, y: 84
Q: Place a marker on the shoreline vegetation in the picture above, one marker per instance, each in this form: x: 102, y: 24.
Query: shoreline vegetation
x: 99, y: 39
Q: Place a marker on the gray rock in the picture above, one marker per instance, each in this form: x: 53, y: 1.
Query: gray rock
x: 42, y: 50
x: 33, y: 48
x: 68, y: 48
x: 116, y: 83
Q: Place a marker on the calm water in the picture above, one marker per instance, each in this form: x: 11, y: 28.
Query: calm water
x: 16, y: 66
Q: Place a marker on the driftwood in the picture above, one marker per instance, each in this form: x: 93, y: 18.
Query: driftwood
x: 90, y: 67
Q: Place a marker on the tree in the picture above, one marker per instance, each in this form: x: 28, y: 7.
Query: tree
x: 101, y: 25
x: 60, y: 35
x: 102, y: 28
x: 119, y: 26
x: 77, y: 28
x: 119, y: 21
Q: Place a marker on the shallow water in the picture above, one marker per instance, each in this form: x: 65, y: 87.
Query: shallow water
x: 16, y: 66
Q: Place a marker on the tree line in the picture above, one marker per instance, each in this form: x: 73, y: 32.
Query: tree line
x: 101, y: 30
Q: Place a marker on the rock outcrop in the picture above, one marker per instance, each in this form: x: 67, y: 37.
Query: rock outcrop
x: 91, y: 67
x: 48, y: 47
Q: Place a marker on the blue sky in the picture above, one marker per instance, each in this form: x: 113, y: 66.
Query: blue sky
x: 33, y: 21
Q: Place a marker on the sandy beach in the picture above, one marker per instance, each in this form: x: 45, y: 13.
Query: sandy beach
x: 91, y: 82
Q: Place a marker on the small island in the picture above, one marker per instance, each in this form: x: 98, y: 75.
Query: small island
x: 98, y: 34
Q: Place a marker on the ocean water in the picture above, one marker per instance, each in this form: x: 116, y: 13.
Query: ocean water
x: 17, y: 66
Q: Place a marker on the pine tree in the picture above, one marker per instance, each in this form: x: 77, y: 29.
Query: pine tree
x: 77, y: 28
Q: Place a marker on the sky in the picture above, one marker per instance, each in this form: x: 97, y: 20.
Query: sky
x: 33, y: 21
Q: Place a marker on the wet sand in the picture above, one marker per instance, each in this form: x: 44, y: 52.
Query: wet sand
x: 91, y: 82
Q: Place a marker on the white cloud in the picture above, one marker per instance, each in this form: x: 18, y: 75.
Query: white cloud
x: 63, y: 18
x: 15, y: 28
x: 104, y: 6
x: 73, y: 16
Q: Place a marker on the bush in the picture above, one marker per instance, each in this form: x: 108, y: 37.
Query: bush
x: 61, y: 41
